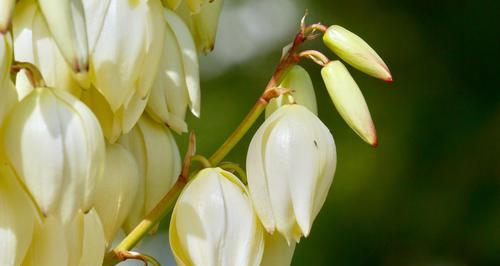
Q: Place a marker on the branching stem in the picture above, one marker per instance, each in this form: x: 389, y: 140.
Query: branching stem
x: 166, y: 204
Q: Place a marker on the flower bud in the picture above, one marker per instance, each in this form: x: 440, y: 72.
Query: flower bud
x: 154, y: 149
x: 213, y: 222
x: 205, y: 25
x: 298, y: 80
x: 34, y: 43
x: 17, y: 218
x: 356, y: 52
x: 55, y: 144
x: 349, y: 101
x: 6, y: 7
x: 7, y: 89
x: 277, y: 252
x: 116, y: 191
x: 189, y: 58
x: 290, y: 165
x: 66, y: 21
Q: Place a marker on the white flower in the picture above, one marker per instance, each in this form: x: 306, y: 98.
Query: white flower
x: 34, y: 43
x: 290, y: 164
x: 115, y: 192
x: 157, y: 155
x: 6, y: 7
x: 213, y: 223
x: 55, y: 144
x: 349, y: 101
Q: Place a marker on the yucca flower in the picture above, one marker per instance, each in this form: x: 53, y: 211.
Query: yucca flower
x: 291, y: 161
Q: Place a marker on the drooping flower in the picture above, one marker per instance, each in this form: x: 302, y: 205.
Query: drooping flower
x: 34, y: 43
x: 157, y: 155
x: 213, y: 222
x: 55, y: 144
x: 349, y: 100
x: 291, y: 161
x: 115, y: 192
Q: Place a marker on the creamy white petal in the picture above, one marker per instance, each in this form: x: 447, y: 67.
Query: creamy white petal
x: 120, y: 51
x: 17, y: 219
x: 277, y: 252
x: 66, y: 21
x: 117, y: 189
x: 169, y: 96
x: 189, y: 58
x: 48, y: 247
x: 93, y: 242
x: 6, y: 8
x: 213, y: 223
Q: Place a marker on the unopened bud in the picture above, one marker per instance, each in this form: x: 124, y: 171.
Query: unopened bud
x: 349, y: 100
x: 356, y: 52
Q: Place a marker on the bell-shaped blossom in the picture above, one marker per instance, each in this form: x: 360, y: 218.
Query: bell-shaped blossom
x: 80, y: 242
x: 189, y: 58
x: 355, y: 51
x: 290, y: 165
x: 302, y: 91
x: 6, y: 8
x: 125, y: 55
x: 66, y: 21
x: 7, y: 89
x: 55, y: 144
x: 213, y: 222
x: 277, y: 251
x: 115, y: 192
x: 349, y: 101
x: 17, y: 219
x: 169, y: 95
x: 157, y: 155
x: 34, y: 43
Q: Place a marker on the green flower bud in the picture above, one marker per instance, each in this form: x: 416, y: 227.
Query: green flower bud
x: 356, y: 52
x: 298, y: 80
x: 213, y: 222
x: 349, y: 100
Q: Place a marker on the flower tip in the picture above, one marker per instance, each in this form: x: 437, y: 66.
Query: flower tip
x: 375, y: 142
x: 389, y: 79
x: 4, y: 29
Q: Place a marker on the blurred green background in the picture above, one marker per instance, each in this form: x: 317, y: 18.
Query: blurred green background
x: 430, y: 193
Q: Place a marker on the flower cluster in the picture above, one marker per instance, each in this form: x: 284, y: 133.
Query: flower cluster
x: 87, y: 130
x: 86, y: 145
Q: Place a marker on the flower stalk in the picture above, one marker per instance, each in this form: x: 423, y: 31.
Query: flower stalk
x: 166, y: 204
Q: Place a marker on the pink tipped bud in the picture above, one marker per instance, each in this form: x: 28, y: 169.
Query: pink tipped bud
x: 356, y: 52
x: 349, y: 101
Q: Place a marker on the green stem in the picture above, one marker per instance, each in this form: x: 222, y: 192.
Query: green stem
x: 240, y: 131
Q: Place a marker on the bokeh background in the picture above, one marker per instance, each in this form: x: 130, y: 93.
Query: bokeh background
x: 430, y: 193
